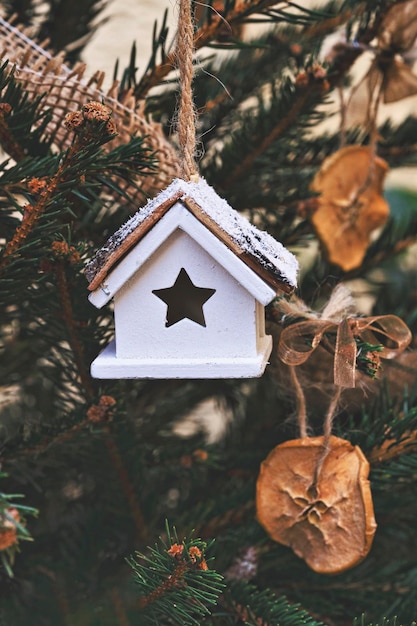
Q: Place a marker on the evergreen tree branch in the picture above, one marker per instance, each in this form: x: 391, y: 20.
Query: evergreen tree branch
x: 96, y: 484
x: 92, y: 128
x: 301, y: 102
x: 211, y: 30
x: 62, y: 599
x: 176, y: 576
x: 175, y: 579
x: 235, y: 516
x: 97, y: 414
x: 32, y: 213
x: 136, y: 511
x: 12, y: 527
x: 74, y: 340
x: 119, y: 609
x: 7, y: 138
x: 392, y: 448
x: 24, y: 118
x: 262, y: 607
x: 329, y: 25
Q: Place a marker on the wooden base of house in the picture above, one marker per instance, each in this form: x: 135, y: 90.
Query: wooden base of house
x: 107, y: 365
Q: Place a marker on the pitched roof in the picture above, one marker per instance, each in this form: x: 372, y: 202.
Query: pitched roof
x: 266, y: 256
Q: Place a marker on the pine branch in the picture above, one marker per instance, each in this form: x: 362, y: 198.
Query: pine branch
x: 392, y: 448
x: 7, y: 139
x: 12, y: 527
x: 67, y: 26
x: 22, y: 121
x: 74, y: 340
x: 175, y: 581
x: 116, y: 459
x: 387, y: 429
x: 262, y: 607
x: 119, y: 608
x: 93, y: 128
x: 301, y: 102
x: 210, y: 31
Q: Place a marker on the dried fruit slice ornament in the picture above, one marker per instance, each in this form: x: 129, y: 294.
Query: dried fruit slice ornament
x: 350, y: 205
x: 397, y: 35
x: 318, y: 501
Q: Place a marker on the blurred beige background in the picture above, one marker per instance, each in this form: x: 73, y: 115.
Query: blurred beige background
x: 133, y: 20
x: 129, y: 21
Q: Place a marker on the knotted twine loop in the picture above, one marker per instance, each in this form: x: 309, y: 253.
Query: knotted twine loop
x: 186, y: 112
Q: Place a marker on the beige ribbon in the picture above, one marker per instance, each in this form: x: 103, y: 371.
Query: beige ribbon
x: 298, y: 341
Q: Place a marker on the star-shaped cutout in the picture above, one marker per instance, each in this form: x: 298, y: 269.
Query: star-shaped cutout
x: 184, y: 300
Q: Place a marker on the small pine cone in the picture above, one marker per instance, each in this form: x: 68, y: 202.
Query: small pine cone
x: 91, y: 114
x: 374, y: 363
x: 96, y: 112
x: 176, y: 550
x: 101, y: 412
x: 37, y: 185
x: 8, y: 530
x: 5, y: 108
x: 301, y: 80
x: 74, y: 121
x: 111, y: 128
x: 107, y: 401
x: 64, y: 250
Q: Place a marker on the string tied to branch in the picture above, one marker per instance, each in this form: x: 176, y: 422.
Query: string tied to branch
x: 186, y: 124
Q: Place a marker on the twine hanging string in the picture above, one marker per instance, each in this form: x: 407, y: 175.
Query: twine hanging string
x: 327, y: 432
x: 301, y: 403
x: 186, y: 112
x: 303, y: 420
x: 302, y: 409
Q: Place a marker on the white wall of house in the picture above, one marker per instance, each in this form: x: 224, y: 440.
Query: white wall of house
x: 140, y: 316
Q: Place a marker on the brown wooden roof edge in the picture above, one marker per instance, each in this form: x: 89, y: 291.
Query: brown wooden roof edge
x: 99, y: 274
x: 120, y: 243
x: 270, y: 276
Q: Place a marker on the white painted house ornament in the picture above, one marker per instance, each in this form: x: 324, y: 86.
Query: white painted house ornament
x: 190, y: 278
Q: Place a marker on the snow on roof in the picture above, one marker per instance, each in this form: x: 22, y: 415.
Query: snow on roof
x: 269, y: 253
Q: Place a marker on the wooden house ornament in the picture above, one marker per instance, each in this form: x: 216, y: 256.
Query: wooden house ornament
x: 190, y: 278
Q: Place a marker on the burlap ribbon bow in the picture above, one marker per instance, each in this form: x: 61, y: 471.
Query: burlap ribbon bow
x: 299, y: 340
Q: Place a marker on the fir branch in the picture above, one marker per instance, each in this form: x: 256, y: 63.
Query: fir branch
x: 209, y: 32
x: 136, y: 511
x: 385, y: 426
x: 12, y: 527
x: 7, y: 139
x: 302, y: 100
x: 262, y: 607
x: 235, y: 516
x: 62, y: 599
x: 93, y: 127
x: 24, y: 119
x: 205, y: 35
x: 329, y: 25
x: 33, y: 212
x: 119, y: 609
x: 70, y: 26
x: 74, y: 340
x: 176, y: 580
x: 97, y: 414
x: 392, y: 448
